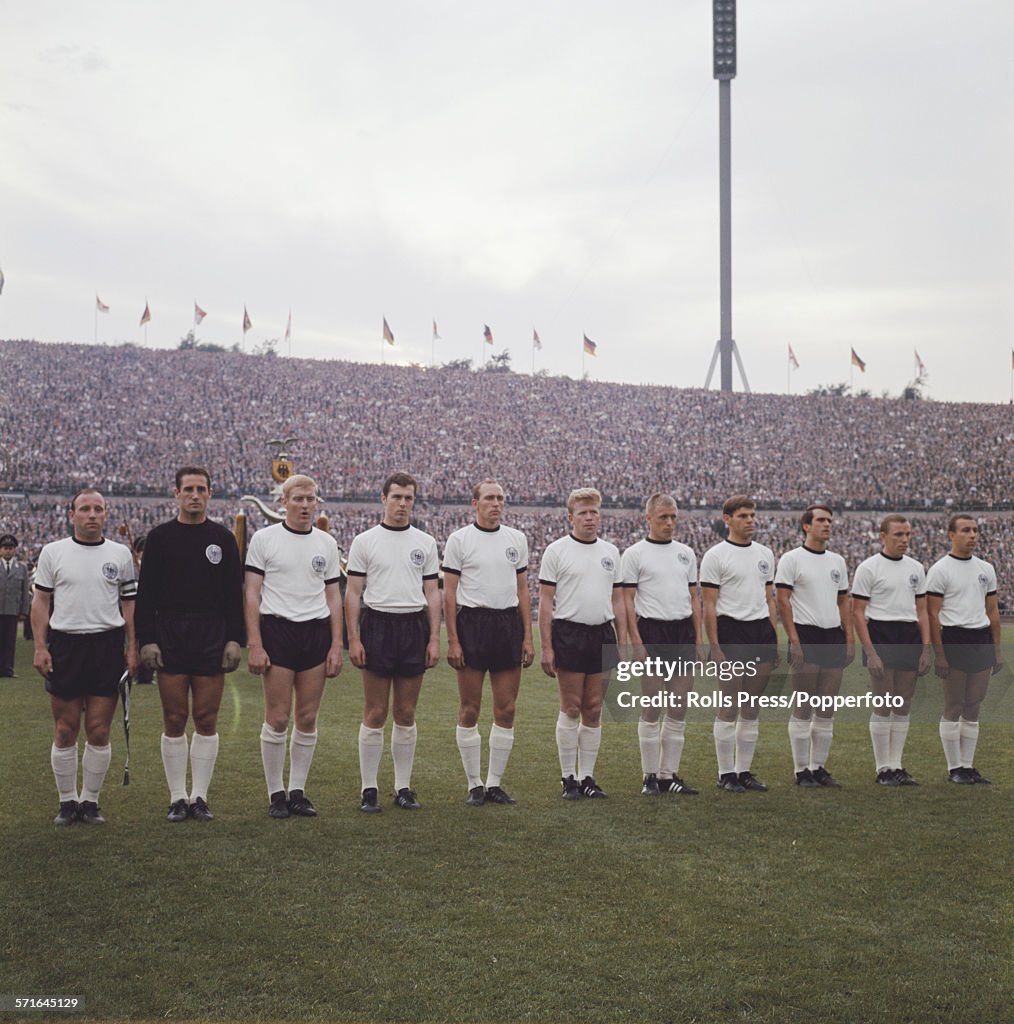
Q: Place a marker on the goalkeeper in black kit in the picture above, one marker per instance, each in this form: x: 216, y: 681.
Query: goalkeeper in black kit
x: 190, y: 629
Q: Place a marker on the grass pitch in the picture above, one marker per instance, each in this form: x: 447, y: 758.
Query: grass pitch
x: 865, y: 904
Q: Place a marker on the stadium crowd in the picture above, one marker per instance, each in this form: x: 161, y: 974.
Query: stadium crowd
x: 123, y: 419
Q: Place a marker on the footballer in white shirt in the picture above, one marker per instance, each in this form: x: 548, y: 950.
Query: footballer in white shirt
x: 580, y: 597
x: 811, y: 584
x: 964, y: 621
x: 737, y: 579
x: 663, y: 620
x: 889, y: 614
x: 293, y: 612
x: 488, y: 614
x: 392, y: 612
x: 83, y: 628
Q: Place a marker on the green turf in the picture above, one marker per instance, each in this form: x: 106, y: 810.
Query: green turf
x: 866, y: 904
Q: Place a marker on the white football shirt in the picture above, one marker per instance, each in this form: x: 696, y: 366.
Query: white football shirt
x: 584, y: 574
x: 741, y: 573
x: 816, y: 579
x: 964, y: 584
x: 296, y: 568
x: 487, y: 564
x: 394, y: 561
x: 663, y: 573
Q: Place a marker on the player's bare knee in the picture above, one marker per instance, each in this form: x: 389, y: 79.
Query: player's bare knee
x: 65, y: 734
x: 174, y: 723
x: 306, y: 721
x: 98, y: 735
x: 205, y: 722
x: 503, y: 715
x: 468, y: 715
x: 403, y: 716
x: 277, y: 720
x: 374, y: 717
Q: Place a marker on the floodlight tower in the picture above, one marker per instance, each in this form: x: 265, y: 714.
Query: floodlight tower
x: 724, y: 37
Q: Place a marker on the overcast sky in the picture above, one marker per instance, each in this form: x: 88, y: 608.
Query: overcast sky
x: 548, y: 166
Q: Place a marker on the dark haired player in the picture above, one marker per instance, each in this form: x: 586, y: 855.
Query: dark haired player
x: 964, y: 621
x: 811, y: 584
x: 739, y: 618
x: 392, y: 611
x: 189, y: 622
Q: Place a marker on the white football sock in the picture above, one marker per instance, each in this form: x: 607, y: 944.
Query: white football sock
x: 725, y: 746
x: 273, y: 758
x: 969, y: 740
x: 899, y: 733
x: 203, y: 754
x: 799, y: 742
x: 671, y: 741
x: 821, y: 734
x: 174, y: 761
x: 880, y: 736
x: 589, y: 739
x: 747, y: 731
x: 94, y: 765
x: 301, y: 748
x: 651, y: 747
x: 950, y: 737
x: 403, y: 740
x: 470, y: 748
x: 566, y: 744
x: 371, y: 749
x: 501, y: 742
x: 64, y: 762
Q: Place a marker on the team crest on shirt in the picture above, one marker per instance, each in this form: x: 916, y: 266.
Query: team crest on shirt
x: 213, y: 553
x: 913, y: 581
x: 683, y: 558
x: 513, y: 555
x: 607, y: 563
x: 762, y: 567
x: 417, y: 556
x: 983, y: 580
x: 317, y: 564
x: 836, y: 575
x: 109, y: 571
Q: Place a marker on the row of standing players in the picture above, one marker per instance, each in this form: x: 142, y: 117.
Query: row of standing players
x: 187, y: 614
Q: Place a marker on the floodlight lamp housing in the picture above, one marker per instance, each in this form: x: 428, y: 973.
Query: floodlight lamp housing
x: 724, y: 24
